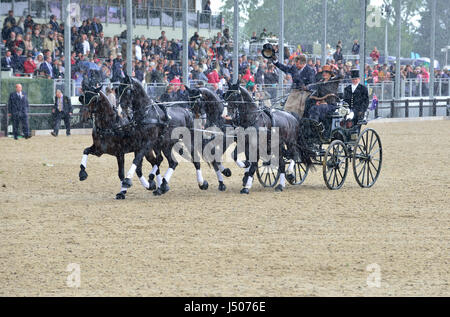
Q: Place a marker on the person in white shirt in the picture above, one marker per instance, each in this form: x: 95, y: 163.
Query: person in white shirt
x: 138, y: 50
x: 357, y: 96
x: 86, y: 46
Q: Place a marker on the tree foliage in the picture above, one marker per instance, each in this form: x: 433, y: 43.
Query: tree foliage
x: 304, y: 22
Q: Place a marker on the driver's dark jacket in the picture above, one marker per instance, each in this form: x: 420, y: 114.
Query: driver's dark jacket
x: 300, y: 77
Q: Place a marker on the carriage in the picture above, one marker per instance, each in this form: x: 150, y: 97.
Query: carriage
x: 338, y: 145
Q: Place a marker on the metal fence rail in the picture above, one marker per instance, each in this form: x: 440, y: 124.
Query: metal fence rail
x: 41, y: 118
x: 412, y: 107
x: 110, y: 11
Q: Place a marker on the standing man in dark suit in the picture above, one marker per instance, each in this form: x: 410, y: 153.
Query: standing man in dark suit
x: 47, y: 67
x: 61, y: 110
x: 18, y: 108
x: 357, y: 96
x: 7, y: 61
x: 54, y: 24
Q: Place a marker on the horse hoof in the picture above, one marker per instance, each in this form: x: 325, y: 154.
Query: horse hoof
x: 83, y: 175
x: 226, y: 172
x: 290, y: 178
x: 245, y: 191
x: 157, y: 192
x: 204, y: 186
x: 164, y: 187
x: 222, y: 187
x: 279, y: 188
x: 120, y: 195
x: 127, y: 183
x: 151, y: 184
x: 245, y: 179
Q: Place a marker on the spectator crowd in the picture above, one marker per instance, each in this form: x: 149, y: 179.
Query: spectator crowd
x: 38, y: 50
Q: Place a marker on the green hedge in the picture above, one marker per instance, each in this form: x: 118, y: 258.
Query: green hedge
x: 39, y: 90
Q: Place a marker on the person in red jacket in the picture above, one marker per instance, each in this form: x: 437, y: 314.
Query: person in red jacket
x: 213, y: 77
x: 29, y: 65
x: 248, y: 76
x: 375, y: 55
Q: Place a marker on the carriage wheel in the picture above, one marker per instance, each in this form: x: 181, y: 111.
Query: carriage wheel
x: 367, y: 158
x: 267, y: 174
x: 300, y: 173
x: 335, y: 165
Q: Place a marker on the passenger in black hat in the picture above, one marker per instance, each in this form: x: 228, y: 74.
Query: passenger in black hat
x: 323, y: 101
x: 357, y: 96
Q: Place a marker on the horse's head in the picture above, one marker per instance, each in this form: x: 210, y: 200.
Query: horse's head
x: 195, y: 101
x: 91, y: 89
x: 233, y: 97
x: 98, y: 105
x: 131, y: 92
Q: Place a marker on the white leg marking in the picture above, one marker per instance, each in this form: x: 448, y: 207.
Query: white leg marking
x: 283, y: 180
x: 249, y: 182
x: 221, y: 167
x: 159, y: 180
x: 199, y: 177
x: 154, y: 169
x: 219, y: 176
x: 168, y: 174
x: 131, y: 171
x: 240, y: 163
x: 84, y: 160
x: 144, y: 182
x: 291, y: 167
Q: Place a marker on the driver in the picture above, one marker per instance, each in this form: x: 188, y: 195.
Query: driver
x: 302, y: 76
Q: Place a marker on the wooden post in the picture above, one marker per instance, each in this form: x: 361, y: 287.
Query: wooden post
x: 421, y: 108
x: 448, y: 107
x: 392, y: 107
x: 406, y: 108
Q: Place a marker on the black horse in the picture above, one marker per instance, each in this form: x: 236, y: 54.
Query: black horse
x: 132, y: 95
x: 117, y: 135
x: 111, y: 135
x: 207, y: 104
x: 245, y: 113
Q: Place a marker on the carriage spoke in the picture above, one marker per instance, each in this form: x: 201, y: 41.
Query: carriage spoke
x: 367, y: 142
x: 372, y: 177
x: 361, y: 171
x: 376, y: 169
x: 368, y: 170
x: 303, y: 168
x: 340, y: 173
x: 364, y: 143
x: 373, y: 145
x: 274, y: 176
x: 329, y: 177
x: 334, y: 177
x: 371, y: 138
x: 360, y: 162
x: 376, y: 151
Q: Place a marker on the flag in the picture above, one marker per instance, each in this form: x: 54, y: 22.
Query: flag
x: 374, y: 103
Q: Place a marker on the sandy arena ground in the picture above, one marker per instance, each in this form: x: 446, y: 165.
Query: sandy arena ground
x: 305, y: 241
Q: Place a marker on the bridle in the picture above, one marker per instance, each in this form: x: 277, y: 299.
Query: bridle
x: 237, y: 111
x: 127, y: 87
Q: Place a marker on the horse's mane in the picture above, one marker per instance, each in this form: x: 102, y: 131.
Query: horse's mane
x: 140, y: 89
x: 246, y: 95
